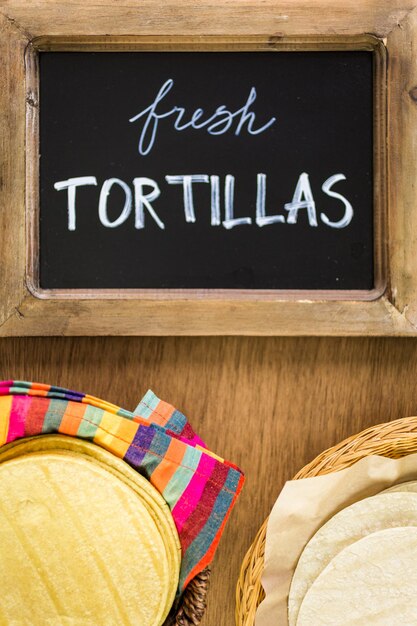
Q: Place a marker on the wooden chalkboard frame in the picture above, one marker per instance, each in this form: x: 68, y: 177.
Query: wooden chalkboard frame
x: 232, y: 44
x: 390, y: 309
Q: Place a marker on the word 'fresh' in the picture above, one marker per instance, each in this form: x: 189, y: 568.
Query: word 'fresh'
x: 216, y: 124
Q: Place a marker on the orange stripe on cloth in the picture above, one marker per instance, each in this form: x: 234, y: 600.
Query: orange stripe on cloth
x: 161, y: 414
x: 37, y: 391
x: 168, y: 465
x: 72, y: 417
x: 5, y: 409
x: 40, y: 386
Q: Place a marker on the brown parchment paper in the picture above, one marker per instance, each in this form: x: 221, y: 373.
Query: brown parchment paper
x: 303, y: 506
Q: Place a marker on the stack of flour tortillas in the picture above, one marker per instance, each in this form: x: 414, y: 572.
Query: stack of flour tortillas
x: 360, y: 567
x: 84, y: 538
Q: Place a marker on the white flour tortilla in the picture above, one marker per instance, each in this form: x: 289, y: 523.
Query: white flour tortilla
x: 371, y: 582
x: 385, y: 510
x: 410, y: 486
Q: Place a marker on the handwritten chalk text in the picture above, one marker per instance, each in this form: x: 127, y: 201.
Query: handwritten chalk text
x: 216, y: 124
x: 146, y: 191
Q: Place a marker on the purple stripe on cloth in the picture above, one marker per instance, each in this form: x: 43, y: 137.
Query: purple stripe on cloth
x: 140, y: 445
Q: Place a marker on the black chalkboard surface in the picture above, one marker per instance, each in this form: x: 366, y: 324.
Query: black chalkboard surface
x: 234, y: 170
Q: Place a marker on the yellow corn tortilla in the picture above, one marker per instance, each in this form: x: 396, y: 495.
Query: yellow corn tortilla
x: 85, y: 540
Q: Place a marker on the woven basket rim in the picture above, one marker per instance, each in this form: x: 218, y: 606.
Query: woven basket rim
x: 393, y: 439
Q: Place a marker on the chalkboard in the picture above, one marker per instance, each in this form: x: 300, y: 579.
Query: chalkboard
x: 189, y: 170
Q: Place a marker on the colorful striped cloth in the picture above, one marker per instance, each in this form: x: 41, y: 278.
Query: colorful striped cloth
x: 156, y: 440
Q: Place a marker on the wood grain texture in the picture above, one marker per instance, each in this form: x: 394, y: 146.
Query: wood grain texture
x: 392, y: 314
x: 204, y: 317
x: 268, y: 404
x: 402, y: 138
x: 12, y: 164
x: 202, y: 17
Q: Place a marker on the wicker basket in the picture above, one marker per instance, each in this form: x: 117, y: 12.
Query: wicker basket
x: 192, y: 605
x: 392, y: 439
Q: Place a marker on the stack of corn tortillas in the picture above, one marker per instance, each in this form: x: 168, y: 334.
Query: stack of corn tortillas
x: 84, y: 539
x: 361, y: 566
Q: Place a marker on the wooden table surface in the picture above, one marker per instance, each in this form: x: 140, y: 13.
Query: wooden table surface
x: 268, y: 404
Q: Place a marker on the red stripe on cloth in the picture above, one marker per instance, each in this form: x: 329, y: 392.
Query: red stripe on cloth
x: 35, y: 416
x: 189, y: 434
x: 201, y: 513
x: 187, y: 502
x: 208, y: 556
